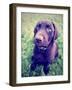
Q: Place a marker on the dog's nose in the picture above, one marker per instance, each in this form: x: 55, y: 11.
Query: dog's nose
x: 38, y: 40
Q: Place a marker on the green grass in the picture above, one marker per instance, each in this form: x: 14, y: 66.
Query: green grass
x: 28, y: 22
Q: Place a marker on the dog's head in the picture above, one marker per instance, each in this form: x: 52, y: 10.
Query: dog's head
x: 45, y: 32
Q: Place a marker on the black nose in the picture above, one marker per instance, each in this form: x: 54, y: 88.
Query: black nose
x: 38, y: 40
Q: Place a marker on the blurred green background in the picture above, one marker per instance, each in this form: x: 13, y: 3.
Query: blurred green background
x: 28, y: 22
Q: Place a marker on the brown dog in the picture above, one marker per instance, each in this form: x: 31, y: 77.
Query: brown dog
x: 46, y: 49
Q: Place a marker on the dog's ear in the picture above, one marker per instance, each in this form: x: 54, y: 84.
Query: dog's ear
x: 55, y: 31
x: 35, y: 31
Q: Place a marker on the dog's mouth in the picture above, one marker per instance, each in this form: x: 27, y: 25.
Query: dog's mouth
x: 42, y: 47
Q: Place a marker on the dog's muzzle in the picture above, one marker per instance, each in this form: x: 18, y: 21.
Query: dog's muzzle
x: 39, y: 39
x: 40, y: 45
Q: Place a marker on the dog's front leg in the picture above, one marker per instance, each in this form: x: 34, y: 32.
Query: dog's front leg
x: 46, y: 69
x: 32, y: 66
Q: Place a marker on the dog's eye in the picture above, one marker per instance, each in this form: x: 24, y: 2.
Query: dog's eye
x: 47, y: 26
x: 39, y: 25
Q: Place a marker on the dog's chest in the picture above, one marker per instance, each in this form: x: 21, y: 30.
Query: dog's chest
x: 42, y: 57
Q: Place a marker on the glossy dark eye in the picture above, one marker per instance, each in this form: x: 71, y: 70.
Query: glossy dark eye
x: 47, y: 26
x: 39, y: 25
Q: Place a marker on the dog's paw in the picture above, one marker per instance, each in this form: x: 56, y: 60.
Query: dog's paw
x: 46, y: 70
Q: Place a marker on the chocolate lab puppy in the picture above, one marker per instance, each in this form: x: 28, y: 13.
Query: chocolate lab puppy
x: 45, y: 49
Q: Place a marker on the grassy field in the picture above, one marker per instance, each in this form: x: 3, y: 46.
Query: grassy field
x: 28, y: 22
